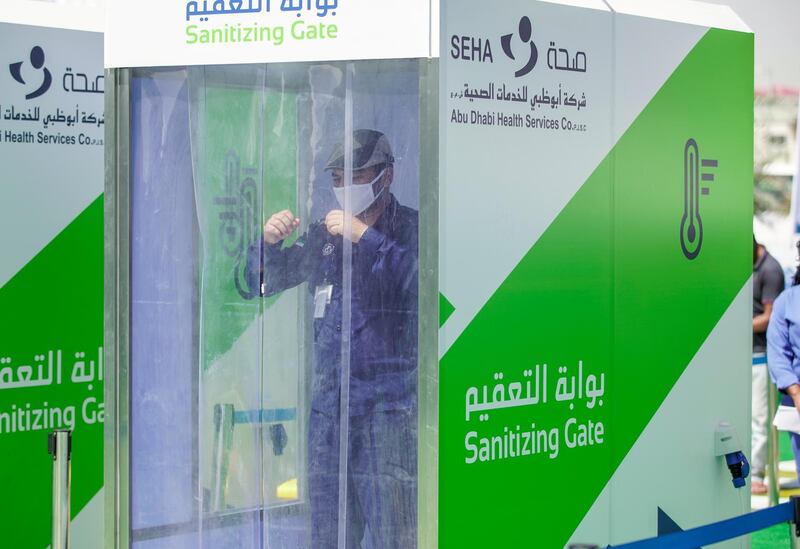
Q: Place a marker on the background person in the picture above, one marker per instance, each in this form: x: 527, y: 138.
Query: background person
x: 783, y: 351
x: 767, y: 286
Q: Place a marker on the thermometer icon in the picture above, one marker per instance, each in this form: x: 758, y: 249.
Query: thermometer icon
x: 692, y: 222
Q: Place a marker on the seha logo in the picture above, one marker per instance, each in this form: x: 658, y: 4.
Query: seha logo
x: 520, y: 48
x: 37, y: 62
x: 469, y: 48
x: 525, y: 35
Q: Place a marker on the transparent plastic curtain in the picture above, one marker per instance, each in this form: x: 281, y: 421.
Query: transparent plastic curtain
x: 377, y: 489
x: 347, y: 310
x: 163, y: 308
x: 290, y: 359
x: 227, y: 109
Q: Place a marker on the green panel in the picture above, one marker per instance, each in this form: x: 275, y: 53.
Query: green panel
x: 445, y: 309
x: 558, y: 307
x: 554, y: 309
x: 53, y: 298
x: 238, y: 189
x: 665, y: 304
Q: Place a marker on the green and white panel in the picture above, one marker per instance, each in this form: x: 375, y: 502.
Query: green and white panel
x: 51, y: 276
x: 561, y: 253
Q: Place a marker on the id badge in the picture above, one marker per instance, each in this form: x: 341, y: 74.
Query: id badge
x: 322, y: 298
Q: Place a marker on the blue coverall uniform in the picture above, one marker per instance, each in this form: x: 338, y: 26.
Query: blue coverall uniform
x: 382, y: 463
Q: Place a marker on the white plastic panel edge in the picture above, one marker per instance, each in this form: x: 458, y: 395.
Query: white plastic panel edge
x: 683, y: 11
x: 588, y: 4
x: 435, y: 46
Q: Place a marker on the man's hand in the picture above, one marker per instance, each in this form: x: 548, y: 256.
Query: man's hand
x: 280, y: 226
x: 794, y: 392
x: 334, y: 221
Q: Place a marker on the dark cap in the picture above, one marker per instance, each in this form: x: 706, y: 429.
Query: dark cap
x: 370, y: 148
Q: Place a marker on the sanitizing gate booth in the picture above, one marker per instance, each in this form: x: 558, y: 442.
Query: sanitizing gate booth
x: 384, y: 275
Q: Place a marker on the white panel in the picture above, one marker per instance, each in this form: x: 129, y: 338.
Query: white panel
x: 503, y: 186
x: 647, y: 53
x: 678, y: 446
x: 157, y: 33
x: 69, y: 174
x: 683, y: 11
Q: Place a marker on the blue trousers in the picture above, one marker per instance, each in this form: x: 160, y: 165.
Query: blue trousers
x: 795, y: 438
x: 381, y: 480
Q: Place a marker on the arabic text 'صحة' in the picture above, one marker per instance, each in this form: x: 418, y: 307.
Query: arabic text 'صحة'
x: 71, y: 82
x: 559, y: 60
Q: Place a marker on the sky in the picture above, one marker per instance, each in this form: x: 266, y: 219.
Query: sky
x: 776, y: 24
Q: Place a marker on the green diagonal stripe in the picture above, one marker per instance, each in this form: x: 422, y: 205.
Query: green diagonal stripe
x: 606, y: 284
x: 228, y: 115
x: 54, y: 302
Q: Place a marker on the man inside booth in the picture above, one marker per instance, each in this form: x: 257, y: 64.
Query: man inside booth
x: 382, y: 308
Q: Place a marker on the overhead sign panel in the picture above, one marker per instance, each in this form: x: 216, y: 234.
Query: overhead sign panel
x: 205, y: 32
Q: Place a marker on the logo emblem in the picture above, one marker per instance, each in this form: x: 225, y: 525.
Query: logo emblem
x: 328, y: 249
x: 525, y: 36
x: 37, y: 61
x: 692, y: 222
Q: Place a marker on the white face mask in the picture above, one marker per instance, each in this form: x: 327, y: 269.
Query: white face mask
x: 361, y: 196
